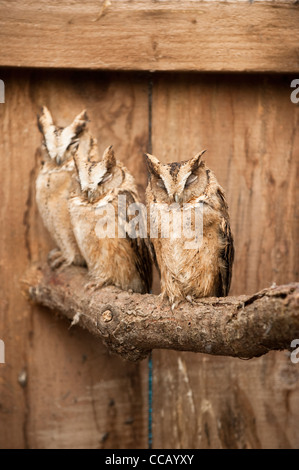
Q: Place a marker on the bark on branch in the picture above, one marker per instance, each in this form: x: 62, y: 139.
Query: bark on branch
x: 133, y: 324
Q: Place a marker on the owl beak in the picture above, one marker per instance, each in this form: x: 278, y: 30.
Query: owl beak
x: 176, y: 197
x: 89, y: 195
x: 58, y: 160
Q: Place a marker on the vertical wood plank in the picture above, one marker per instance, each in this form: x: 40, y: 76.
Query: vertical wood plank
x: 248, y: 124
x: 76, y: 395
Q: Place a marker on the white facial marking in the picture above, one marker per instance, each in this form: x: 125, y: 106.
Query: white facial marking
x: 51, y: 141
x: 96, y: 175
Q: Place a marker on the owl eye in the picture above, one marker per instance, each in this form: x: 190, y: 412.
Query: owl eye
x: 160, y: 184
x: 190, y: 180
x: 73, y: 145
x: 105, y: 178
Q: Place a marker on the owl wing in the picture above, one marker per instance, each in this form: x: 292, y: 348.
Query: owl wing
x: 152, y: 252
x: 227, y: 252
x: 227, y: 258
x: 140, y: 246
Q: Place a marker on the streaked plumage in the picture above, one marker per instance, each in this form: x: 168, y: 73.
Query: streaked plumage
x: 123, y: 262
x: 53, y: 186
x: 187, y: 274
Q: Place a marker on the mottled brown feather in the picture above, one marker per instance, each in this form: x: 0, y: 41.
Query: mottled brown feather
x: 227, y: 253
x: 140, y: 246
x: 198, y: 272
x: 118, y: 259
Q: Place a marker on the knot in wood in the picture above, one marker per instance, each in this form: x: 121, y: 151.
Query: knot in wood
x: 106, y: 316
x: 107, y: 320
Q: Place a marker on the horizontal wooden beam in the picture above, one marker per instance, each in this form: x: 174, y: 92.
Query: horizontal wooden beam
x: 155, y: 35
x: 133, y: 324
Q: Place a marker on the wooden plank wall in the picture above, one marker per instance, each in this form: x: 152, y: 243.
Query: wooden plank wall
x: 77, y: 395
x: 248, y: 124
x: 234, y: 35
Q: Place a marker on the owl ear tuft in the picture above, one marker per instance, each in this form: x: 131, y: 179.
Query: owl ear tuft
x: 44, y: 120
x: 153, y: 164
x: 82, y: 156
x: 83, y: 151
x: 109, y: 157
x: 196, y: 160
x: 78, y: 124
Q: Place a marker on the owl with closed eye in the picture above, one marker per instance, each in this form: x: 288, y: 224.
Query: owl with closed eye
x: 53, y: 185
x: 103, y: 196
x: 195, y: 256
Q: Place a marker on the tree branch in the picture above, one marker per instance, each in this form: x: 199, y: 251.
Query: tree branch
x: 133, y: 324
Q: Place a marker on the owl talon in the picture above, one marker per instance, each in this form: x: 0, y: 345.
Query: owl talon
x: 53, y: 254
x: 90, y: 285
x: 174, y: 305
x: 93, y: 285
x: 59, y: 264
x: 56, y: 259
x: 190, y: 299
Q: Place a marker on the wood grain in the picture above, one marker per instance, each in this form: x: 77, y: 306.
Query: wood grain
x: 150, y: 35
x: 132, y: 324
x: 75, y: 395
x: 248, y: 125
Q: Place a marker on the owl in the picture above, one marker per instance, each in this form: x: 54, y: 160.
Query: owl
x: 101, y: 200
x: 53, y: 185
x: 189, y: 267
